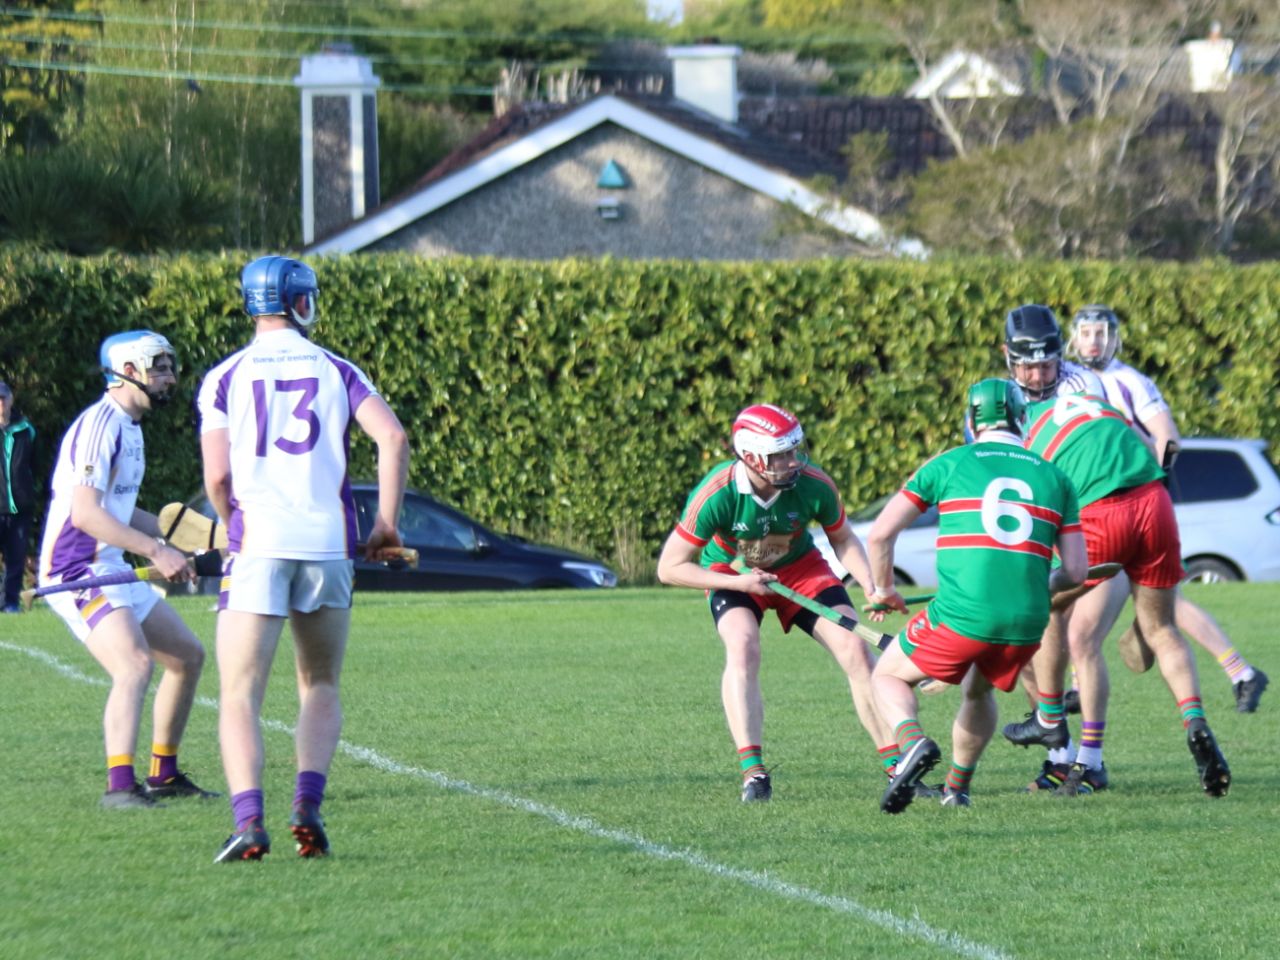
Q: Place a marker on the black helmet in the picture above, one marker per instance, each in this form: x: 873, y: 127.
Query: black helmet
x: 1031, y: 333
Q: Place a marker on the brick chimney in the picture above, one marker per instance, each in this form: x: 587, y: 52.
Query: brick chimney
x: 339, y: 139
x: 705, y: 76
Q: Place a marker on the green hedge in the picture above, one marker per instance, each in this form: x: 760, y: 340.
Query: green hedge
x: 585, y: 397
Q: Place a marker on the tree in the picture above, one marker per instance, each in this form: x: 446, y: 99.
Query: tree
x: 1246, y: 155
x: 1037, y: 198
x: 40, y: 90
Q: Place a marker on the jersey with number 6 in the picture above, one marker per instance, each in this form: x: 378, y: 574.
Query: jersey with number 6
x: 287, y: 406
x: 1093, y: 444
x: 1000, y: 513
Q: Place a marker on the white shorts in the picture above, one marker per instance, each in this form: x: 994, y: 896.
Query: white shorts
x: 82, y: 610
x: 274, y: 587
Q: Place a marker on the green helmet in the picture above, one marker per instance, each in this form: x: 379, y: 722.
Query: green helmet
x: 996, y: 403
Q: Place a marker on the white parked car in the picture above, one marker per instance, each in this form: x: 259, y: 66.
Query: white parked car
x: 1226, y: 493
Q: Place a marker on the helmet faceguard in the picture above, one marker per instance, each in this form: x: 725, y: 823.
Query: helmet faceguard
x: 770, y: 441
x: 279, y: 286
x: 1095, y: 335
x: 144, y: 350
x: 995, y: 404
x: 1033, y: 341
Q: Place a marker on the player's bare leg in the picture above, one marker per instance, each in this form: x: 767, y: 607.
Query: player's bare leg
x: 975, y: 722
x: 851, y: 653
x: 743, y: 702
x: 320, y: 641
x: 740, y: 682
x: 117, y: 643
x: 1154, y: 608
x: 972, y: 730
x: 175, y: 648
x: 892, y: 684
x: 1197, y: 624
x: 1043, y: 683
x: 1088, y: 622
x: 246, y: 646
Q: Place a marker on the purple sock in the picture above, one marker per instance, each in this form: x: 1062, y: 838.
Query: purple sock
x: 164, y: 767
x: 245, y: 806
x: 310, y: 788
x: 120, y: 777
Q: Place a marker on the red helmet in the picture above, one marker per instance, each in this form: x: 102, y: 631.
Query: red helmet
x: 762, y: 431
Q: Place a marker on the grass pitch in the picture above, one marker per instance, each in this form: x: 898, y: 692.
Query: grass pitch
x: 549, y: 775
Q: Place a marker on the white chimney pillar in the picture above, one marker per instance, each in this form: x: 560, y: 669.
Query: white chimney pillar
x: 706, y: 76
x: 339, y: 140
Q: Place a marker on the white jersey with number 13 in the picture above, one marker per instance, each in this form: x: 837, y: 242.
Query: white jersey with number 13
x: 288, y: 406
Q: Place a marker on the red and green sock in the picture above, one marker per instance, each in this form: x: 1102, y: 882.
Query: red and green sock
x: 751, y: 760
x: 908, y: 733
x: 1051, y: 709
x: 1192, y: 709
x: 958, y: 778
x: 889, y: 756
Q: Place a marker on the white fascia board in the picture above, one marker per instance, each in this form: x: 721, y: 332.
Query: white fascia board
x: 606, y: 109
x: 949, y: 70
x: 925, y: 86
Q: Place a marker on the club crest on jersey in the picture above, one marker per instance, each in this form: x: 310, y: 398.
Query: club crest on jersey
x: 88, y: 471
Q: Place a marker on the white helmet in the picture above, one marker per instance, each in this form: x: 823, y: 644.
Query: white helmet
x: 762, y: 430
x: 1096, y: 314
x: 139, y: 347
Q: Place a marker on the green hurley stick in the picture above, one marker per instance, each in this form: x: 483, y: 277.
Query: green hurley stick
x: 873, y: 637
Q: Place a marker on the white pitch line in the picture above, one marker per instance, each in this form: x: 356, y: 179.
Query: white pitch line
x: 914, y: 927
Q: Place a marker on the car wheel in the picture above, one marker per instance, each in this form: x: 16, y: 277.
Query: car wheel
x: 1210, y: 570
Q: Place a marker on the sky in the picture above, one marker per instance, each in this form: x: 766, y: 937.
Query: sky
x: 669, y: 11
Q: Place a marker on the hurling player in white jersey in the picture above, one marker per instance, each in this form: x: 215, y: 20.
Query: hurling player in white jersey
x: 1095, y: 339
x: 93, y: 519
x: 276, y: 418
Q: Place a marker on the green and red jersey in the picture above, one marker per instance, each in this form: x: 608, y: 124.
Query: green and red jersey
x: 1092, y: 443
x: 726, y: 517
x: 1001, y: 510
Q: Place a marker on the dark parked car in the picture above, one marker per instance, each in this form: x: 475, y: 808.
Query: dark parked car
x: 457, y: 553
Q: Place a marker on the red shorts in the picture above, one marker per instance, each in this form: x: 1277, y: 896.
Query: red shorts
x: 945, y: 655
x: 1137, y: 528
x: 809, y: 575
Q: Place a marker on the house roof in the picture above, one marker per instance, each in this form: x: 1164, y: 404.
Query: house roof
x: 962, y: 71
x: 1011, y: 71
x: 755, y: 159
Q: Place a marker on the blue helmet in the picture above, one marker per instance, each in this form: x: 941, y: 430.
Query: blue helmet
x: 279, y: 286
x: 139, y: 347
